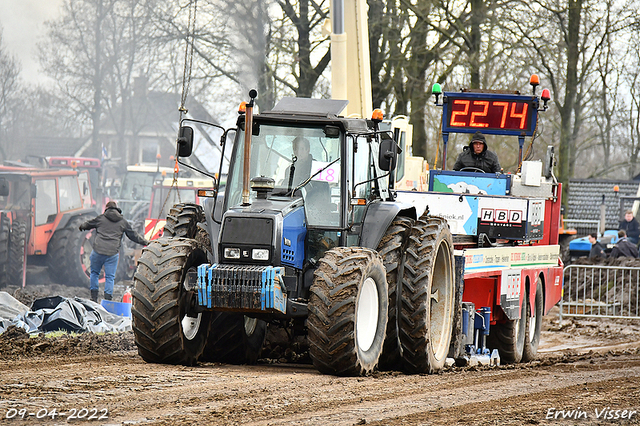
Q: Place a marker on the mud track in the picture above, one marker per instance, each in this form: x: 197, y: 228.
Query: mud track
x: 584, y: 365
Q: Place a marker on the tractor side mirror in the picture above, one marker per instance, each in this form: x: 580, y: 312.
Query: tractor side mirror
x: 185, y: 141
x: 4, y: 187
x: 388, y: 155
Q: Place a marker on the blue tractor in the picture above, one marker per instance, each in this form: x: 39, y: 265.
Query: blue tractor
x: 307, y: 236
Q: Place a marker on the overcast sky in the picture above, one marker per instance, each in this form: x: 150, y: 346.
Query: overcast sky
x: 22, y: 22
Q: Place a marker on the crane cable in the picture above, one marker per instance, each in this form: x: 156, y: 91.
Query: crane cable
x: 186, y: 82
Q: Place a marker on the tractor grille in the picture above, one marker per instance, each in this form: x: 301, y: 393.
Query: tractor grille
x: 242, y: 288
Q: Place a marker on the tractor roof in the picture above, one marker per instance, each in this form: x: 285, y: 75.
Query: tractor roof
x: 186, y: 183
x: 33, y: 172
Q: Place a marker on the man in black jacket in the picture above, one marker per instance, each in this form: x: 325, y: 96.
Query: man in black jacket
x: 596, y: 247
x: 624, y: 248
x: 109, y: 228
x: 631, y: 226
x: 477, y: 156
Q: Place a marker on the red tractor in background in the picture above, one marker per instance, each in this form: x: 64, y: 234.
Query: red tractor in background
x: 40, y: 211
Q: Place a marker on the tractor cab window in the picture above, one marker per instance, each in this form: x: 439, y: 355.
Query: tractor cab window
x: 137, y: 186
x: 69, y: 193
x: 291, y: 155
x: 165, y: 197
x: 46, y: 208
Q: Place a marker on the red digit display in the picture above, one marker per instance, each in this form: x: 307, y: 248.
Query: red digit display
x: 493, y: 114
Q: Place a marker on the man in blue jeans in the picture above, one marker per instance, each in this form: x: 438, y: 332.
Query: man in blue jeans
x: 109, y: 228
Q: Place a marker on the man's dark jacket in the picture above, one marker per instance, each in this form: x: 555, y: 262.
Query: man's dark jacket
x: 597, y: 251
x: 632, y: 229
x: 624, y: 249
x: 109, y: 228
x: 486, y: 160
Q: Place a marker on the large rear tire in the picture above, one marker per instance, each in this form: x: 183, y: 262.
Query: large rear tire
x: 182, y: 220
x: 235, y: 339
x: 166, y: 327
x: 534, y: 325
x: 17, y: 252
x: 425, y: 319
x: 348, y: 312
x: 508, y: 337
x: 68, y: 254
x: 4, y: 248
x: 391, y: 249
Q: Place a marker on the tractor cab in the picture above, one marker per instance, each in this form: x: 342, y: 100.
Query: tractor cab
x: 313, y: 172
x: 166, y: 193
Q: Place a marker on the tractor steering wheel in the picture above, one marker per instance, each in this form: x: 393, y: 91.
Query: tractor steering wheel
x: 473, y: 169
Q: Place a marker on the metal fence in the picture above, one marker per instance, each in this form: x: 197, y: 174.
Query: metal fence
x: 584, y: 227
x: 601, y: 291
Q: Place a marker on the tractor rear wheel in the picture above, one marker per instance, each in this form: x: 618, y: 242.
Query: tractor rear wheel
x: 4, y: 248
x: 166, y: 326
x: 425, y: 320
x: 348, y: 312
x: 508, y: 337
x: 391, y: 249
x: 235, y: 339
x: 17, y: 252
x: 68, y: 254
x: 534, y: 325
x: 182, y: 220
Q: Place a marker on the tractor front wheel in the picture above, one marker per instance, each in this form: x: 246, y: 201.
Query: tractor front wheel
x: 167, y: 326
x: 235, y: 339
x: 348, y: 312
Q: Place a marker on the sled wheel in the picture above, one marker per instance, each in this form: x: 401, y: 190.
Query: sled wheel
x: 235, y: 339
x: 509, y: 337
x: 166, y: 326
x: 391, y: 249
x: 534, y: 325
x: 348, y: 311
x: 425, y: 319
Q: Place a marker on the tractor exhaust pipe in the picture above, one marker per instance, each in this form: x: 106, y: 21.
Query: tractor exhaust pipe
x: 248, y: 130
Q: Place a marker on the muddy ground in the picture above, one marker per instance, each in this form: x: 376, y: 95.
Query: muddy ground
x: 587, y: 370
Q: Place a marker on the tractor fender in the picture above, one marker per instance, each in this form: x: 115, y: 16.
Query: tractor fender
x: 84, y: 214
x: 213, y: 224
x: 377, y: 219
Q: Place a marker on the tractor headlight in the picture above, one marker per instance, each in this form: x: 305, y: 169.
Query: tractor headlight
x: 260, y: 254
x: 232, y: 253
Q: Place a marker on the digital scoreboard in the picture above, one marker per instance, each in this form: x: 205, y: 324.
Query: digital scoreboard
x: 489, y: 113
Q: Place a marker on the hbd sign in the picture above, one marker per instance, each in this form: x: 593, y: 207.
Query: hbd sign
x: 501, y: 216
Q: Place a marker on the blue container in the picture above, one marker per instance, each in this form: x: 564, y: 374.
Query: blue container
x: 118, y: 308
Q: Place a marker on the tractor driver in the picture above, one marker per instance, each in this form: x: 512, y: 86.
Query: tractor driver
x: 476, y: 156
x: 302, y: 161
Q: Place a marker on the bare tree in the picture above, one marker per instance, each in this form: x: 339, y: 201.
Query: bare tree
x: 9, y: 99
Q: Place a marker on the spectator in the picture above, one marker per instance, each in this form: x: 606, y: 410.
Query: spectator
x: 596, y: 247
x: 477, y: 156
x: 624, y: 248
x: 109, y: 228
x: 631, y: 226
